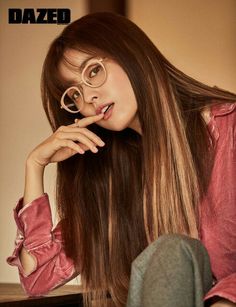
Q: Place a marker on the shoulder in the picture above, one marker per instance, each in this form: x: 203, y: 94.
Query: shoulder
x: 222, y: 123
x: 223, y: 108
x: 218, y: 109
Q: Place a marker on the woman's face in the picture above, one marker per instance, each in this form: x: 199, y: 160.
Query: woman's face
x: 116, y: 90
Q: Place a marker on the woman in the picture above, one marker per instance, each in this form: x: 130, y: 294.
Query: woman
x: 145, y: 172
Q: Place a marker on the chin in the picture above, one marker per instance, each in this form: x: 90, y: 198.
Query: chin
x: 117, y: 126
x: 123, y: 122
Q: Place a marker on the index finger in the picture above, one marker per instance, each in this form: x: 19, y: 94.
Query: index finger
x: 86, y: 121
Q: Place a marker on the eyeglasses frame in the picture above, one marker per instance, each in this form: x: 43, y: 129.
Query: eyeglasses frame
x: 83, y: 81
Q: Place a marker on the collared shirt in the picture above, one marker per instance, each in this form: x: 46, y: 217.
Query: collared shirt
x: 217, y: 220
x: 218, y: 209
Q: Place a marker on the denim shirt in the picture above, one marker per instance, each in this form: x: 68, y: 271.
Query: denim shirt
x: 217, y: 222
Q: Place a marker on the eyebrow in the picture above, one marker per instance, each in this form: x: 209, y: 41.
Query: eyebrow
x: 83, y: 64
x: 80, y: 69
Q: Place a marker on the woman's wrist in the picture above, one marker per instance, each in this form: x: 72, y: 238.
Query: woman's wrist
x: 31, y: 163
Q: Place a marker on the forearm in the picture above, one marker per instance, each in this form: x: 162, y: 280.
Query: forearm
x: 34, y: 186
x: 37, y: 249
x: 33, y: 189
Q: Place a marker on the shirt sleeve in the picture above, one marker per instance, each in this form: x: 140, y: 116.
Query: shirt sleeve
x: 36, y: 234
x: 225, y: 288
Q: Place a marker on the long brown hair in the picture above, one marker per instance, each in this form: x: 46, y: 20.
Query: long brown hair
x: 138, y: 187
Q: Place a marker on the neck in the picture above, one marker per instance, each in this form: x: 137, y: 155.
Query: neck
x: 135, y: 125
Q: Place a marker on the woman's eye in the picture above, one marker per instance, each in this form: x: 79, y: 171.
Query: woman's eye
x: 94, y: 71
x: 75, y: 96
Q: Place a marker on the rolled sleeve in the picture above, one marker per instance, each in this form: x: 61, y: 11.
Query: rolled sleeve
x: 36, y: 234
x: 225, y: 288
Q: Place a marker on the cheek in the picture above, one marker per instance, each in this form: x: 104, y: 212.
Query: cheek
x: 118, y: 80
x: 119, y: 86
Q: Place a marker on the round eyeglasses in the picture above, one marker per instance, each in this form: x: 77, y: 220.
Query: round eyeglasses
x: 93, y: 75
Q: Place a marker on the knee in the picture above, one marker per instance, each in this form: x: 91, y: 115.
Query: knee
x: 169, y: 246
x: 173, y: 241
x: 179, y: 255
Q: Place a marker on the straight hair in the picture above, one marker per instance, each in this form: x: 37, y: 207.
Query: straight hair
x: 138, y: 187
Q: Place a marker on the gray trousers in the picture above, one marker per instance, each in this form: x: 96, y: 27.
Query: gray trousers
x: 173, y: 271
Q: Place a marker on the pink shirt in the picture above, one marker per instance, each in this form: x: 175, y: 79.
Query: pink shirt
x: 218, y: 223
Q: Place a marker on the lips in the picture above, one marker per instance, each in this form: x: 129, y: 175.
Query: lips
x: 104, y: 108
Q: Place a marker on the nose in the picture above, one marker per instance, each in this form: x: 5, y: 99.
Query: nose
x: 91, y: 95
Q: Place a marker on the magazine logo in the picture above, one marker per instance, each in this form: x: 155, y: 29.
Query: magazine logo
x: 39, y: 16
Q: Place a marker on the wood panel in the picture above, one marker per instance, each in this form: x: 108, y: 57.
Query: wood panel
x: 13, y: 295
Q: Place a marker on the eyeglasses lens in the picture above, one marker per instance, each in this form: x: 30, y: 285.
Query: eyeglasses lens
x: 94, y: 74
x: 73, y: 99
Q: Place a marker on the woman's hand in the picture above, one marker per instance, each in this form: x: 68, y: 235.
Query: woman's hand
x: 67, y: 141
x: 223, y: 303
